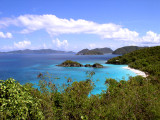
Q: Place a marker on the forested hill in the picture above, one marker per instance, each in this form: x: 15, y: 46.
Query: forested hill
x: 103, y: 50
x: 126, y: 49
x: 147, y: 59
x: 96, y: 51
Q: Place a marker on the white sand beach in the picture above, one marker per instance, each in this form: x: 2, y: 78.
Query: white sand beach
x: 138, y: 72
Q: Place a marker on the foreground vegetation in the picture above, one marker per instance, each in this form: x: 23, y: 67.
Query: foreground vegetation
x: 137, y: 99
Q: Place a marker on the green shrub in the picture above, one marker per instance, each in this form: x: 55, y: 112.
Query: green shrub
x: 17, y: 102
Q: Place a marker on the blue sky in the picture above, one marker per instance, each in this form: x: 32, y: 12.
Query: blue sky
x: 77, y: 24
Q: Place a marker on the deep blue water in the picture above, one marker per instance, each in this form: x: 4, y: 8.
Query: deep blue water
x: 25, y: 68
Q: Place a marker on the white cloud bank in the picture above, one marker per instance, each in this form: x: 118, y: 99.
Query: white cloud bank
x: 16, y: 46
x: 22, y: 44
x: 151, y: 37
x: 92, y: 45
x: 64, y: 44
x: 56, y: 26
x: 7, y: 35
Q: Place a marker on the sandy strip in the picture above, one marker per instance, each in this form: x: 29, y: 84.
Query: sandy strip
x: 138, y: 72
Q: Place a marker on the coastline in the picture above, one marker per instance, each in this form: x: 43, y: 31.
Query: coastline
x: 138, y: 72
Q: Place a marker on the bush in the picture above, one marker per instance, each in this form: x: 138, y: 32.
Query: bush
x: 17, y: 102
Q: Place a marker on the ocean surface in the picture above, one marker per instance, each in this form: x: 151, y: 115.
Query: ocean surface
x: 25, y: 68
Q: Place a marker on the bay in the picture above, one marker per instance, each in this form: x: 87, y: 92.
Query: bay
x: 25, y: 67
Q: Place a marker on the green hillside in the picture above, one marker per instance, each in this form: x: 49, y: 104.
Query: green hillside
x: 96, y: 51
x: 93, y: 52
x: 147, y: 60
x: 126, y: 49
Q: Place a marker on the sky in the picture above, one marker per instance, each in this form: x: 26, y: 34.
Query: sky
x: 72, y: 25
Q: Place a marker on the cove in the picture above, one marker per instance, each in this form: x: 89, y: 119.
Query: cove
x: 25, y: 68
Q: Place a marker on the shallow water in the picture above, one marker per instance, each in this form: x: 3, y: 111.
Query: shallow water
x: 25, y: 68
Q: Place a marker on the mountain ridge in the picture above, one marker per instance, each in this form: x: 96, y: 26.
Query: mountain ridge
x: 39, y: 51
x: 96, y: 51
x: 126, y: 49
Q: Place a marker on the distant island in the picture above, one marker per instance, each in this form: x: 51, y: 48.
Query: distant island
x: 70, y: 63
x: 96, y: 51
x: 126, y: 49
x: 41, y: 51
x: 102, y: 51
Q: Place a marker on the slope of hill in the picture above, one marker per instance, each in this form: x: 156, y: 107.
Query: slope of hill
x: 96, y: 51
x: 147, y: 60
x: 103, y: 50
x: 126, y: 49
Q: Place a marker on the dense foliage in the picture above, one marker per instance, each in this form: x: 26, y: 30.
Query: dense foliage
x: 93, y: 52
x: 97, y: 65
x: 70, y: 63
x: 135, y: 99
x: 16, y: 102
x: 147, y: 60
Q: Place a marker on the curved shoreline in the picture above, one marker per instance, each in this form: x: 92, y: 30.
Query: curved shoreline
x: 138, y: 72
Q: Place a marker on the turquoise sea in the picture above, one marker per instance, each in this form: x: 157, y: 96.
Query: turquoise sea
x: 25, y: 68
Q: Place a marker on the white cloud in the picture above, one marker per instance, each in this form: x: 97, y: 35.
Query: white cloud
x: 22, y: 44
x: 92, y: 45
x: 56, y: 26
x: 7, y: 35
x: 59, y: 44
x: 16, y: 46
x: 151, y: 37
x: 44, y: 46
